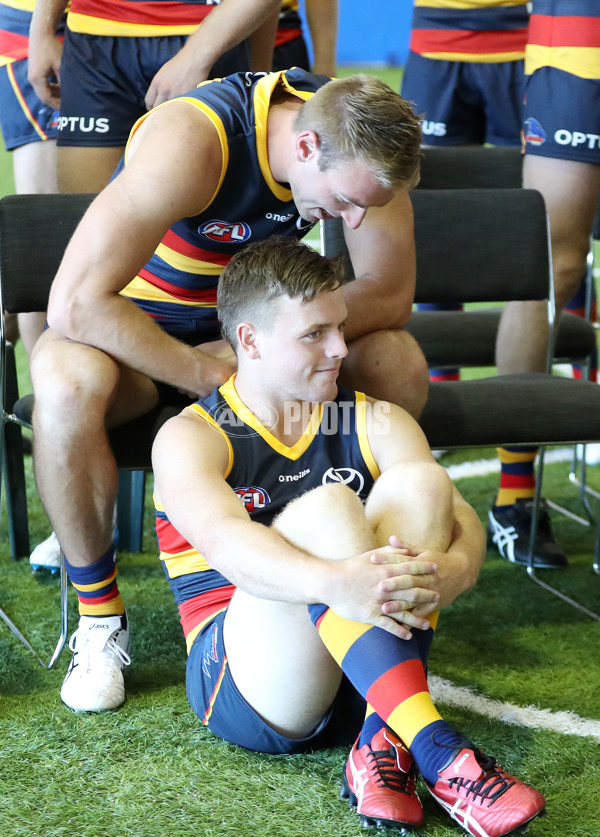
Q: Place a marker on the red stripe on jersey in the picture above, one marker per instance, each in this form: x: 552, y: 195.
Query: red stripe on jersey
x: 199, y: 608
x: 284, y: 36
x: 396, y: 685
x: 180, y: 245
x: 208, y: 296
x: 468, y: 42
x: 169, y: 539
x: 564, y: 30
x: 145, y: 12
x: 13, y: 45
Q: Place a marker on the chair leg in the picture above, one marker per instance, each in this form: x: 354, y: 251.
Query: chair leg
x: 14, y: 471
x: 130, y: 510
x: 17, y: 633
x: 64, y: 613
x: 534, y: 523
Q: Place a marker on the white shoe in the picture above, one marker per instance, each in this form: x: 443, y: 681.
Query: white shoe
x: 46, y: 555
x: 94, y: 681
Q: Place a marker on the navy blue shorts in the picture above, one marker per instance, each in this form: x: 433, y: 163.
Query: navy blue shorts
x: 561, y: 116
x: 214, y: 697
x: 23, y: 117
x: 104, y: 81
x: 466, y: 102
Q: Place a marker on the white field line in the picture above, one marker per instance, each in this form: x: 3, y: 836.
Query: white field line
x: 566, y: 723
x: 483, y: 467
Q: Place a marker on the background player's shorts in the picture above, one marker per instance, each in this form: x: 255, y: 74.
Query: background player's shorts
x: 104, y: 81
x: 292, y: 53
x: 214, y: 697
x: 23, y: 117
x: 561, y: 116
x: 465, y: 102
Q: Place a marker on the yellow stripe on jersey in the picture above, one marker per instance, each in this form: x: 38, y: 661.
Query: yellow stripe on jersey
x: 579, y: 61
x: 468, y: 4
x: 187, y: 264
x: 89, y: 25
x: 22, y: 5
x: 216, y: 121
x: 140, y: 288
x: 298, y: 448
x: 363, y: 438
x: 200, y: 412
x: 262, y: 99
x: 473, y: 58
x: 184, y: 563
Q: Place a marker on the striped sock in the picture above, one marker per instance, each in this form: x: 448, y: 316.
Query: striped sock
x: 517, y: 475
x: 390, y: 674
x: 96, y: 586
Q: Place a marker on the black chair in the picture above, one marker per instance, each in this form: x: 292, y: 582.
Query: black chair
x: 34, y: 232
x: 439, y: 332
x: 492, y: 245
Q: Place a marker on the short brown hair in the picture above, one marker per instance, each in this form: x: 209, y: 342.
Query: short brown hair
x: 361, y: 117
x: 278, y: 266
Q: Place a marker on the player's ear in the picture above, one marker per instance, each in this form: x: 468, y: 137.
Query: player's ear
x: 307, y: 145
x: 247, y: 334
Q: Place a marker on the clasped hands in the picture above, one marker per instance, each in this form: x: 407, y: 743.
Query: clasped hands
x: 392, y: 587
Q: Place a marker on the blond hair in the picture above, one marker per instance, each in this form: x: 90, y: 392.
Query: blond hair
x: 361, y: 117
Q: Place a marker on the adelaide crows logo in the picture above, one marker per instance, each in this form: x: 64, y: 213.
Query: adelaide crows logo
x: 345, y: 476
x: 226, y: 233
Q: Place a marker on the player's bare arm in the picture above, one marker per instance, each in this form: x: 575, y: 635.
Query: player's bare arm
x: 119, y: 233
x: 189, y: 460
x: 45, y: 51
x: 382, y: 252
x: 225, y: 27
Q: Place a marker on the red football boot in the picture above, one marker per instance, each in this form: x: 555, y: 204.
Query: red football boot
x: 486, y: 800
x: 378, y: 781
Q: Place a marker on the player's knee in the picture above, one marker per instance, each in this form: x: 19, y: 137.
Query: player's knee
x: 68, y: 385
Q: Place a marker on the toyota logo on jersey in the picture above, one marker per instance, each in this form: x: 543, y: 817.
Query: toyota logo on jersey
x: 221, y: 231
x: 344, y: 476
x: 253, y: 498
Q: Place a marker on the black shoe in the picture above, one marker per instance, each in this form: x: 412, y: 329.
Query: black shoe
x: 509, y: 530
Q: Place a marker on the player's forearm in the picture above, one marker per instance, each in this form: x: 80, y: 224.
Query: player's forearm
x: 373, y: 308
x: 116, y: 326
x: 225, y: 27
x: 46, y: 17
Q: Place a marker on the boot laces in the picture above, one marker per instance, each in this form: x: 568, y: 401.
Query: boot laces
x: 388, y: 774
x: 491, y: 786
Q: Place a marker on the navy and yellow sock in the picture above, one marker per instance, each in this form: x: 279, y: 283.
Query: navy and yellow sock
x: 96, y: 586
x: 390, y: 674
x: 517, y: 475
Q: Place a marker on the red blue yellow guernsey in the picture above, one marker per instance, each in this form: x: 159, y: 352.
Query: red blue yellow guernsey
x: 138, y: 18
x: 481, y: 31
x: 266, y: 475
x: 179, y: 283
x: 565, y: 34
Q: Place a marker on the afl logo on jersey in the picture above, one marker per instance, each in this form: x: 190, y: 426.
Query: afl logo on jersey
x: 225, y: 233
x: 344, y: 476
x: 253, y: 498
